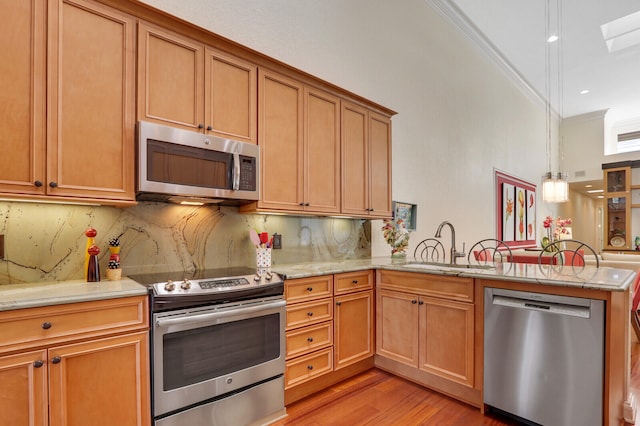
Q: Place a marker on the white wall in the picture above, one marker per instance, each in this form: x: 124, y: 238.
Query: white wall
x: 459, y: 116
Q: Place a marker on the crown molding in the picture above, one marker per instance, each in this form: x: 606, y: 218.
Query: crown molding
x: 453, y: 14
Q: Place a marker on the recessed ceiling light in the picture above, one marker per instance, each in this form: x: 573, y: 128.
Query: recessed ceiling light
x: 595, y: 191
x: 600, y: 196
x: 552, y: 38
x: 584, y: 92
x: 588, y: 186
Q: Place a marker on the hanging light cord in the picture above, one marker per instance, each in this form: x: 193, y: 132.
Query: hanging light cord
x: 547, y: 63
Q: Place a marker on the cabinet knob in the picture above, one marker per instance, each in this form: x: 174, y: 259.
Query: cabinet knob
x: 301, y: 204
x: 53, y: 184
x: 307, y: 204
x: 309, y: 288
x: 309, y: 367
x: 338, y: 303
x: 46, y: 325
x: 200, y: 126
x: 209, y: 128
x: 37, y: 364
x: 309, y: 339
x: 421, y: 303
x: 413, y: 302
x: 56, y: 360
x: 310, y: 314
x: 354, y: 282
x: 37, y: 184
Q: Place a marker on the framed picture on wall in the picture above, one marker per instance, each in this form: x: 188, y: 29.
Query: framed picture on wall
x: 407, y: 212
x: 515, y: 210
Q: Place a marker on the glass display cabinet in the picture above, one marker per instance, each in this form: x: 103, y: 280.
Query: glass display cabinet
x: 617, y: 212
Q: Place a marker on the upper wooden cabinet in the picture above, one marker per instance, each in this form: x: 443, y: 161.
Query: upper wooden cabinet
x: 366, y: 162
x: 617, y: 212
x: 86, y: 152
x: 299, y: 147
x: 183, y: 83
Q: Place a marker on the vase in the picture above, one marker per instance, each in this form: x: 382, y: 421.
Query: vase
x: 398, y: 257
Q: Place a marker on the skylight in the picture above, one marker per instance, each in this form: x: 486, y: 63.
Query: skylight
x: 622, y: 33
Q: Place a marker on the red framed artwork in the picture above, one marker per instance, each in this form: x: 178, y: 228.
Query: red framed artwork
x: 515, y: 210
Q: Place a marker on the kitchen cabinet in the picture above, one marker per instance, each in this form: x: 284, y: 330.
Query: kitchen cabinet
x: 299, y: 147
x: 617, y: 212
x: 184, y: 83
x: 330, y: 330
x: 426, y: 329
x: 75, y: 144
x: 366, y: 162
x: 76, y: 364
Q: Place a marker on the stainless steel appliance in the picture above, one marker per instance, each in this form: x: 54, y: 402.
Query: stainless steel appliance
x: 177, y: 165
x: 544, y: 357
x: 217, y: 347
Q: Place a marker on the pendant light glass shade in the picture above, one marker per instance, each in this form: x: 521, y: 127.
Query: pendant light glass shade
x: 555, y: 187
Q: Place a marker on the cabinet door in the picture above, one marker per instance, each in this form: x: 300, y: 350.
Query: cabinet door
x: 379, y: 165
x: 321, y: 151
x: 446, y: 339
x: 104, y: 381
x: 397, y: 326
x: 280, y: 121
x: 22, y: 95
x: 355, y: 154
x: 170, y: 78
x: 231, y: 97
x: 90, y: 134
x: 353, y: 328
x: 23, y: 389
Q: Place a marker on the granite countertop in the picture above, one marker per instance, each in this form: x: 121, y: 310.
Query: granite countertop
x: 30, y: 295
x: 588, y: 277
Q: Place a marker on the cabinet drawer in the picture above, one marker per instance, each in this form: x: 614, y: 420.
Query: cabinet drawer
x: 304, y: 289
x: 444, y: 287
x: 52, y: 324
x: 307, y: 367
x: 302, y: 314
x: 308, y: 339
x: 353, y: 281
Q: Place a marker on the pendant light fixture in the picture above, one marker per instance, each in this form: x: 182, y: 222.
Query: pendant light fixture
x: 555, y: 188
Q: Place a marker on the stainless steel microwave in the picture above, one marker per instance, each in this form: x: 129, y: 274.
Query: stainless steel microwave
x: 177, y: 165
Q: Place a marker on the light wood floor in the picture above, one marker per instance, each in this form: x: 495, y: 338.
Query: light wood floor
x: 378, y: 398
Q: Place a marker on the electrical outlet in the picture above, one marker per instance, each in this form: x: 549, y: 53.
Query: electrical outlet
x: 277, y: 241
x: 1, y: 246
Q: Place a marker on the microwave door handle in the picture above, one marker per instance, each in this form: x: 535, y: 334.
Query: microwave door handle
x: 236, y: 172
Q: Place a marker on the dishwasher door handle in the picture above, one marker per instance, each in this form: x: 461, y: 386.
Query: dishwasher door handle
x: 543, y: 306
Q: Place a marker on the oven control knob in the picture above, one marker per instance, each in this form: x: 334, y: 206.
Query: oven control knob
x: 269, y: 276
x: 257, y: 277
x: 186, y: 284
x: 229, y: 380
x: 170, y: 286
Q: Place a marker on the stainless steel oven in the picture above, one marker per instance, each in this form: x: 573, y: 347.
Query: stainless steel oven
x: 218, y: 350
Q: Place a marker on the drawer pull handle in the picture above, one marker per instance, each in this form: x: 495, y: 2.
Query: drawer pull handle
x: 413, y: 302
x: 309, y: 339
x: 309, y: 288
x: 310, y: 314
x: 38, y: 363
x: 56, y: 360
x: 309, y: 367
x: 354, y: 282
x: 46, y: 325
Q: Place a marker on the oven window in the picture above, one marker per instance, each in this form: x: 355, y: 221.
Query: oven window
x: 185, y: 165
x: 205, y: 353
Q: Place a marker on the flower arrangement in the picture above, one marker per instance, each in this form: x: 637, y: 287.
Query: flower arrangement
x: 396, y: 235
x: 556, y: 230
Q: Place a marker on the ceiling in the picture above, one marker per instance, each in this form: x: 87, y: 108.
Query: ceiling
x: 516, y: 29
x: 514, y: 32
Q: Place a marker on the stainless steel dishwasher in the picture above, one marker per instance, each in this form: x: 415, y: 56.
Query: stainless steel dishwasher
x: 544, y: 357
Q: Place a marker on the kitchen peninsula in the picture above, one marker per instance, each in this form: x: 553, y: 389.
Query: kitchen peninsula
x: 455, y: 353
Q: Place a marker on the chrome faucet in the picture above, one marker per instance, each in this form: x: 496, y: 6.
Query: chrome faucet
x: 454, y: 253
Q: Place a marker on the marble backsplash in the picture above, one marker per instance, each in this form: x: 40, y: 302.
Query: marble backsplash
x: 46, y: 242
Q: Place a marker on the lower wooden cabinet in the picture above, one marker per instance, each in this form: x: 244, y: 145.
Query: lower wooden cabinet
x: 425, y: 331
x: 328, y: 338
x: 75, y: 380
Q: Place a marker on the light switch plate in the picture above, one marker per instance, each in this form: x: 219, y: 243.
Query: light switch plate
x: 1, y: 246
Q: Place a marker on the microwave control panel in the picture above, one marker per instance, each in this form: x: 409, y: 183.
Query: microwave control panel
x: 248, y: 173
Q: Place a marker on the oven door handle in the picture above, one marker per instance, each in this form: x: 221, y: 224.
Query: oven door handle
x: 213, y: 316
